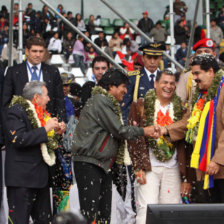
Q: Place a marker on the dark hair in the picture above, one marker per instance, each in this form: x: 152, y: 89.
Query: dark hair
x: 68, y: 218
x: 206, y: 61
x: 75, y: 89
x: 99, y: 59
x: 113, y: 77
x: 166, y: 72
x: 33, y: 40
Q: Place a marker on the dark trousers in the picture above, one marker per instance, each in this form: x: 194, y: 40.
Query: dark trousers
x: 218, y: 191
x: 95, y: 192
x: 26, y: 202
x: 212, y: 195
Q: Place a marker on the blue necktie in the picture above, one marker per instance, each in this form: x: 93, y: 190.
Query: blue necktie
x: 34, y: 74
x: 152, y: 76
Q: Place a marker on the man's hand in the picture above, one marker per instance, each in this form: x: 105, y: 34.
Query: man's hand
x: 152, y: 131
x: 212, y: 168
x: 61, y: 129
x: 164, y: 130
x: 51, y: 124
x: 186, y: 189
x: 140, y: 176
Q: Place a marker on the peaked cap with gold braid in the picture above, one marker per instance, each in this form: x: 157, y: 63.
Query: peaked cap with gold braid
x: 154, y: 49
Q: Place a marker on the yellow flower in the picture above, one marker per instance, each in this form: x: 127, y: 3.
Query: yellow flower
x: 194, y: 119
x: 50, y: 133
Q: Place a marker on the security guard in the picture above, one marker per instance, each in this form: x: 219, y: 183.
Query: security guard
x: 143, y: 80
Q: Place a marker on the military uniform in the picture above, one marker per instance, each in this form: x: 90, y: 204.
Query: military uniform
x: 140, y: 83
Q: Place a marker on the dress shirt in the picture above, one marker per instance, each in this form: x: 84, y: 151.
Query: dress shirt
x: 37, y: 71
x: 149, y: 73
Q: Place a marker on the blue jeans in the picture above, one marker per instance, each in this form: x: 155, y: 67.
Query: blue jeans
x: 79, y: 62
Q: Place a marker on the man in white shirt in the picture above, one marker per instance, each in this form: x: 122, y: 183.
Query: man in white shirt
x: 159, y: 165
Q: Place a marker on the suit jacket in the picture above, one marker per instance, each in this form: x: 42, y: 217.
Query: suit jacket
x: 16, y: 78
x: 24, y: 164
x: 139, y: 150
x: 177, y: 131
x: 144, y: 86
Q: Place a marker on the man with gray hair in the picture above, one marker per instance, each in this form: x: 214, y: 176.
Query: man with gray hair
x: 30, y: 143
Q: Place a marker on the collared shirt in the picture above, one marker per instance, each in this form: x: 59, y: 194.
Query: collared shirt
x: 149, y: 73
x: 37, y: 71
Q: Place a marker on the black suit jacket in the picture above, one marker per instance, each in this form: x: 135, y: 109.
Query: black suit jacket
x: 16, y: 78
x: 24, y: 164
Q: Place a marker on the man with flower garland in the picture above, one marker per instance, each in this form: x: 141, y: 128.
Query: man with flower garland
x: 99, y: 143
x: 159, y: 165
x: 186, y: 85
x: 31, y: 139
x: 205, y: 128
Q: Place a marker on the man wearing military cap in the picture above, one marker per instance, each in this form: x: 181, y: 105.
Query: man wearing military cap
x: 186, y: 84
x: 143, y: 80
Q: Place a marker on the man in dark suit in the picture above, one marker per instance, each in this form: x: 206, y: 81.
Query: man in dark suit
x: 34, y: 69
x: 143, y: 80
x: 26, y: 167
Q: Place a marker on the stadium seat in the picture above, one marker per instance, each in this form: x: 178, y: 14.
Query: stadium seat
x: 57, y: 59
x: 105, y: 22
x: 94, y: 36
x: 118, y: 22
x: 71, y: 59
x: 89, y: 74
x: 77, y: 72
x: 109, y: 30
x: 108, y: 37
x: 86, y: 20
x: 135, y: 21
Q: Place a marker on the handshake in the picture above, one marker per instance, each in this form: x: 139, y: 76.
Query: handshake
x: 155, y: 131
x: 53, y: 123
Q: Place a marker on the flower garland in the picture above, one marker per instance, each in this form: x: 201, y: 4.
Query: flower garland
x: 194, y: 120
x: 43, y: 117
x: 122, y: 154
x: 161, y: 148
x: 48, y: 148
x: 198, y: 106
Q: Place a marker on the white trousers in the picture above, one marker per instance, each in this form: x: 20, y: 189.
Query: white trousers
x: 162, y: 187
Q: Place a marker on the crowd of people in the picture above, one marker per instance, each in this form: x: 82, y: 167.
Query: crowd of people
x: 151, y: 136
x: 121, y: 46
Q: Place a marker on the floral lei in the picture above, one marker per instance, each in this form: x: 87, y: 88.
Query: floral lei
x: 198, y: 106
x: 48, y: 148
x: 162, y: 149
x: 122, y: 153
